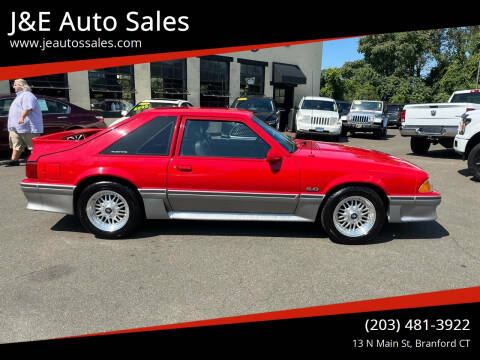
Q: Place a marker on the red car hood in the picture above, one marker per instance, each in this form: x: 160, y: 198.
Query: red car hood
x: 344, y: 152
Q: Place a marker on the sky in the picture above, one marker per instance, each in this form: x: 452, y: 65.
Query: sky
x: 337, y: 52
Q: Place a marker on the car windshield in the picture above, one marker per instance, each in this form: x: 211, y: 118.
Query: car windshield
x: 473, y: 97
x: 394, y: 108
x: 367, y: 105
x: 255, y: 105
x: 148, y: 105
x: 286, y: 142
x: 319, y: 105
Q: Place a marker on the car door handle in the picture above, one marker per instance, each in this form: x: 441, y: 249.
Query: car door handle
x: 62, y: 117
x: 185, y: 168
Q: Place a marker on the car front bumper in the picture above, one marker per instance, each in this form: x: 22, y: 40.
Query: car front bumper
x: 460, y: 144
x: 321, y: 129
x: 394, y: 122
x: 413, y: 208
x: 362, y: 126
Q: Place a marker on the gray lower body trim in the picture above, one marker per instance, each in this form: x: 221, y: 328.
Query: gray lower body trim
x: 413, y: 208
x: 308, y: 206
x: 154, y: 201
x: 427, y: 130
x: 208, y: 205
x: 213, y: 201
x: 47, y: 197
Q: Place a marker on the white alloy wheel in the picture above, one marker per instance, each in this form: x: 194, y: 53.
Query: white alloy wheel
x: 107, y: 210
x: 354, y: 216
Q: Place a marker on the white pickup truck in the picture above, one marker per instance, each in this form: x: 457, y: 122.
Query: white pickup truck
x: 467, y: 141
x: 437, y: 123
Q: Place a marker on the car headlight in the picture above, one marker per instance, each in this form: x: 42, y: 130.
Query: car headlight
x: 426, y: 187
x: 377, y: 119
x: 463, y: 124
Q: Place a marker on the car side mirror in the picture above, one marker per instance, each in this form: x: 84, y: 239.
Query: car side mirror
x: 273, y: 156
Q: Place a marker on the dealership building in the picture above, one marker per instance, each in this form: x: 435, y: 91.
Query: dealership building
x: 283, y: 73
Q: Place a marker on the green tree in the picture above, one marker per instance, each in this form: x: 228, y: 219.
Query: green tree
x: 408, y: 67
x: 332, y: 84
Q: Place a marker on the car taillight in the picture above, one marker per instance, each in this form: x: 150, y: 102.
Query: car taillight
x: 470, y: 109
x: 474, y: 91
x: 31, y: 169
x: 100, y: 118
x: 403, y: 116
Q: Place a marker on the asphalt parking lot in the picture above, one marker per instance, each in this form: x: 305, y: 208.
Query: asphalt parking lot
x: 58, y: 280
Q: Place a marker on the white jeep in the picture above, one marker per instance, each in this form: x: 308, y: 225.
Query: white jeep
x: 318, y: 115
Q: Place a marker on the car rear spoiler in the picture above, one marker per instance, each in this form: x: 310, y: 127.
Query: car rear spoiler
x: 60, y: 141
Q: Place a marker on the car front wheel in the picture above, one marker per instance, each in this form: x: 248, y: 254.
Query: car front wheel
x: 109, y: 210
x: 474, y: 162
x: 353, y: 215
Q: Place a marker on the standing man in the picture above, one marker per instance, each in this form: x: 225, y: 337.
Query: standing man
x: 24, y: 121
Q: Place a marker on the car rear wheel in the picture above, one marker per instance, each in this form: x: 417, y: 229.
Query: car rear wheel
x: 353, y: 215
x: 474, y: 162
x: 109, y: 210
x: 419, y: 145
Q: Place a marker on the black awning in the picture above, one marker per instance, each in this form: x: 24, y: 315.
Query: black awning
x: 288, y: 74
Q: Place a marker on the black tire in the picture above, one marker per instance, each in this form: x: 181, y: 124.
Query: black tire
x: 419, y: 145
x: 344, y: 132
x: 447, y: 143
x: 124, y: 203
x: 474, y: 162
x: 364, y: 195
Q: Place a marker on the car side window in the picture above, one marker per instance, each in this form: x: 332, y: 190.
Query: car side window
x: 52, y: 107
x: 152, y: 138
x: 5, y: 106
x: 226, y: 139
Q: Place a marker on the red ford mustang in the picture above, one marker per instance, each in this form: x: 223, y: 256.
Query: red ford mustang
x: 220, y: 164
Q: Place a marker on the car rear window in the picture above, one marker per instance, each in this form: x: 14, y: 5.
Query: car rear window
x: 393, y: 108
x: 253, y: 104
x: 152, y: 138
x: 466, y: 98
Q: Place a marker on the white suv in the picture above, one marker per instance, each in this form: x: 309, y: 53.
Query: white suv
x: 318, y: 115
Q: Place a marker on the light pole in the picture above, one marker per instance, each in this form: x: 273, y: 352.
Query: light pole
x: 478, y: 70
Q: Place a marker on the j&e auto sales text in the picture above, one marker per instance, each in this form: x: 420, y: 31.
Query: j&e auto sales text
x: 25, y: 22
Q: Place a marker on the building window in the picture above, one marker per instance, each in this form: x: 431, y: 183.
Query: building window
x: 214, y: 83
x: 252, y: 79
x: 112, y: 90
x: 50, y: 85
x: 169, y: 79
